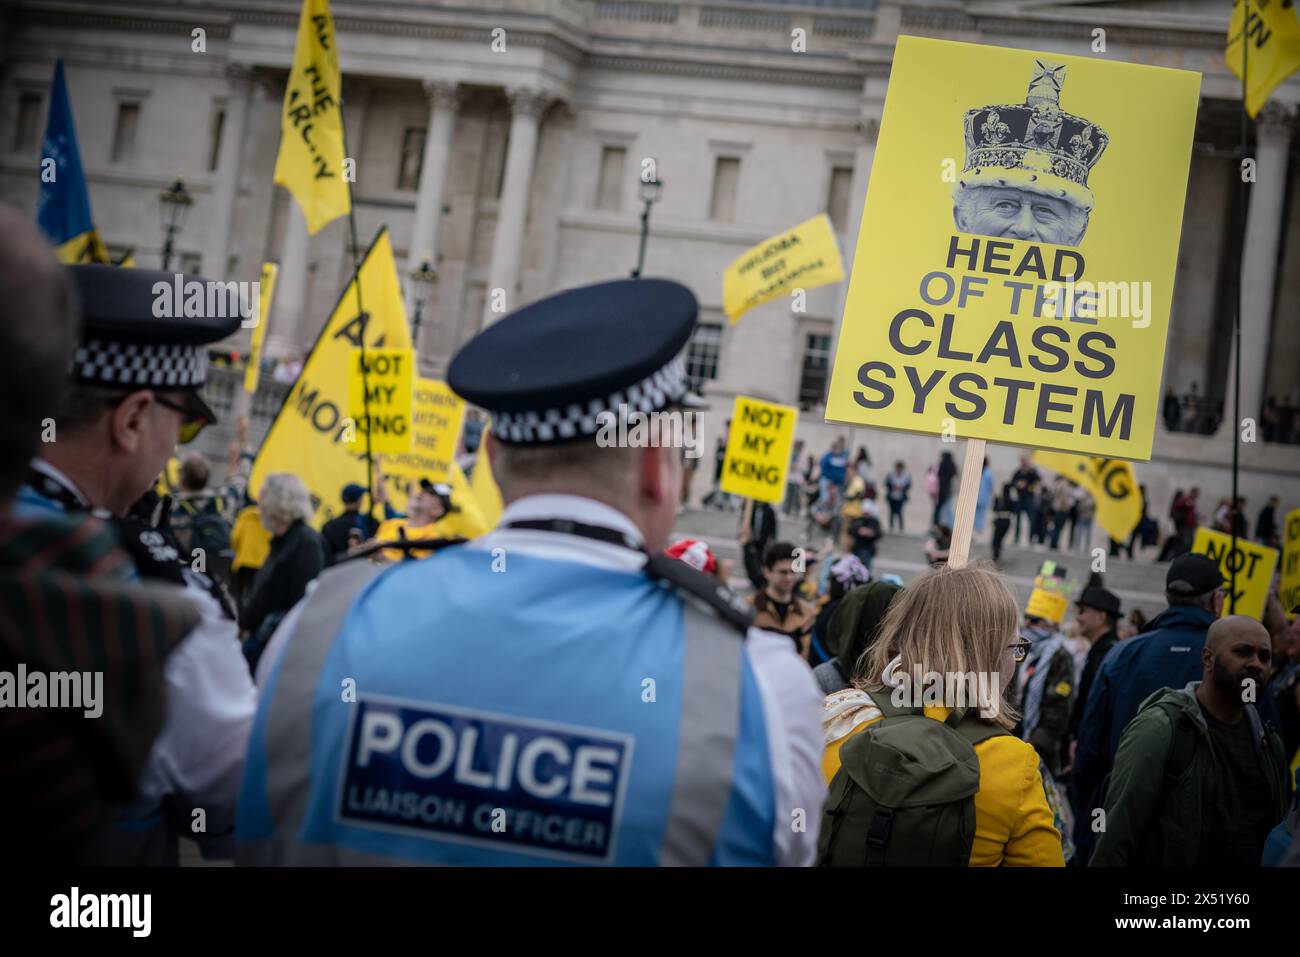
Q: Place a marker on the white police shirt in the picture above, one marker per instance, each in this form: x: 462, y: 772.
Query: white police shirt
x: 790, y: 697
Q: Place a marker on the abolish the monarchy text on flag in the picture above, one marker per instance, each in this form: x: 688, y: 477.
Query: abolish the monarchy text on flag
x: 1014, y: 271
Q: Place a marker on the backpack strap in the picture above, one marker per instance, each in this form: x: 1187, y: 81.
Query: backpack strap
x: 971, y: 729
x: 1180, y: 755
x: 883, y: 700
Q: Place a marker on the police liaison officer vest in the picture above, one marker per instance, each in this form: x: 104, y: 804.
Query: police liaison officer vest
x: 438, y: 712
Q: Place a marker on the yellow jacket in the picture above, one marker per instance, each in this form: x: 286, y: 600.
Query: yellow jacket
x: 250, y: 542
x: 453, y: 525
x: 1013, y: 823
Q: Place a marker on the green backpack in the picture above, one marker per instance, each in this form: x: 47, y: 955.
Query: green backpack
x: 904, y: 795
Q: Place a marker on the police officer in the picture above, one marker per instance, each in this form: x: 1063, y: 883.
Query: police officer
x: 135, y: 392
x: 557, y: 691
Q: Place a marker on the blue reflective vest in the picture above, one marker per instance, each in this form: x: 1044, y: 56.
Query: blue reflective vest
x: 551, y: 713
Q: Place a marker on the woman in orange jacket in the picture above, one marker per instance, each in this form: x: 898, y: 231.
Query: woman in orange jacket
x: 955, y: 622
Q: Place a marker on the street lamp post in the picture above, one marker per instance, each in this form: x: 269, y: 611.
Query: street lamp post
x: 649, y: 191
x: 423, y: 277
x: 174, y: 204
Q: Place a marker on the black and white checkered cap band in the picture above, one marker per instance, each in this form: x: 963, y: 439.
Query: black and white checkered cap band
x: 147, y: 365
x: 579, y: 420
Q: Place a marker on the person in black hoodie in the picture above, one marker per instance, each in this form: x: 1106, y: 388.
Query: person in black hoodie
x: 297, y: 556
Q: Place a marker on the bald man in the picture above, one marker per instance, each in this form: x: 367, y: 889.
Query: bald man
x: 1199, y: 779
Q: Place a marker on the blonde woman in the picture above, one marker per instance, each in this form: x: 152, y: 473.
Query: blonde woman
x: 297, y: 555
x: 959, y: 628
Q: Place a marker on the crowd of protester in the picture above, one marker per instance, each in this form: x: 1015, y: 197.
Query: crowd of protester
x: 1043, y: 758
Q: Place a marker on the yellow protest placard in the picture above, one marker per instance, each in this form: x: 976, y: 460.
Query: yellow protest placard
x: 1111, y: 483
x: 265, y: 289
x: 801, y: 258
x: 1254, y: 564
x: 312, y: 433
x: 1290, y: 590
x: 758, y: 449
x: 436, y: 423
x: 382, y: 408
x: 1014, y: 270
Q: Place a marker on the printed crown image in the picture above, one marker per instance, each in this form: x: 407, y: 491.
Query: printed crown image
x: 1035, y: 145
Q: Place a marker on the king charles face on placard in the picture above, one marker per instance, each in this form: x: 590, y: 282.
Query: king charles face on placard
x: 1027, y: 165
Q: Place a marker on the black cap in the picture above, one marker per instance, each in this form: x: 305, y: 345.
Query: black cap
x: 147, y: 329
x: 1193, y: 574
x: 1101, y: 599
x: 547, y: 371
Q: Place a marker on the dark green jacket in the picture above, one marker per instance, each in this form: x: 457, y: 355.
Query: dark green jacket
x: 1159, y: 795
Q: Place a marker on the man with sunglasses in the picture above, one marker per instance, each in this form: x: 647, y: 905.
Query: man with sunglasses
x: 134, y: 396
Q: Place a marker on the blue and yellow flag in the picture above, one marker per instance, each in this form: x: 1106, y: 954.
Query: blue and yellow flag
x: 63, y: 208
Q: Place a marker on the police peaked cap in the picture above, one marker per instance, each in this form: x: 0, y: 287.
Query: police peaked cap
x: 125, y: 343
x: 547, y: 371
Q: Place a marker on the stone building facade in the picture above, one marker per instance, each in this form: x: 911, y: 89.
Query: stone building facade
x: 502, y: 141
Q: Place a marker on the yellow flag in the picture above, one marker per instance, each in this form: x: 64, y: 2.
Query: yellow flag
x: 310, y: 161
x: 484, y: 485
x: 801, y: 258
x: 312, y: 430
x: 1112, y: 484
x: 265, y: 289
x: 1272, y: 33
x: 469, y: 521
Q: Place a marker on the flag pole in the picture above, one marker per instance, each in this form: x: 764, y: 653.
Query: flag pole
x: 1236, y: 317
x: 365, y: 323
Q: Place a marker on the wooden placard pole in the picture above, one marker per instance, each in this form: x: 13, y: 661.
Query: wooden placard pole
x: 963, y: 523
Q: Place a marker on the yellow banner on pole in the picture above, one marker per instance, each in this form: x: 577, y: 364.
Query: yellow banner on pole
x: 484, y: 485
x: 1290, y: 592
x: 312, y: 432
x: 758, y: 449
x: 1254, y: 564
x: 436, y: 424
x: 1111, y: 483
x: 801, y: 258
x: 310, y: 162
x: 1014, y: 270
x: 381, y: 387
x: 265, y: 290
x: 1272, y: 34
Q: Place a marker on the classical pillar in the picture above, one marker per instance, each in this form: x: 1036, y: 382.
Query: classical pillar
x: 225, y: 193
x: 290, y: 286
x: 444, y: 101
x: 1259, y: 259
x: 526, y: 106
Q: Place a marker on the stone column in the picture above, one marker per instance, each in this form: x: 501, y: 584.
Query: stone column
x: 290, y: 286
x: 527, y: 106
x: 444, y: 101
x: 1259, y: 260
x: 225, y: 191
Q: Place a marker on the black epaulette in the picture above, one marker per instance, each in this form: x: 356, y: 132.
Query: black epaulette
x: 705, y: 589
x: 405, y: 544
x: 153, y: 550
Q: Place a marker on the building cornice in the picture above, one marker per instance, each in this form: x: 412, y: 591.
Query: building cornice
x: 1137, y: 27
